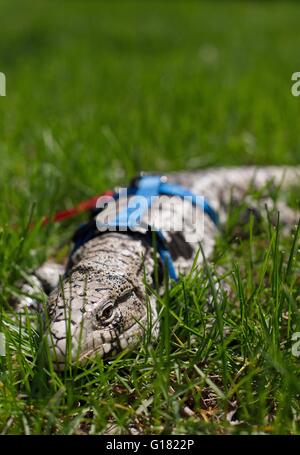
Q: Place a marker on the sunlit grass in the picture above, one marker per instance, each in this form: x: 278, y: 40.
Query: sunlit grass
x: 96, y: 92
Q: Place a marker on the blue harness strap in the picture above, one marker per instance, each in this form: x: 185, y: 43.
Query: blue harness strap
x: 149, y: 187
x: 178, y: 190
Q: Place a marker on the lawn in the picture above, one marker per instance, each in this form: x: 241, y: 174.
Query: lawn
x: 96, y: 92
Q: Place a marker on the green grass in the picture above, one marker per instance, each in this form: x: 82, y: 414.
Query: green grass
x: 97, y: 91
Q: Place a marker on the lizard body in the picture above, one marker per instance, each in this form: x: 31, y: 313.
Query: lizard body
x: 103, y: 293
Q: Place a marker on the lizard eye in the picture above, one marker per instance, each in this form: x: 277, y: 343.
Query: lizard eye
x: 105, y: 315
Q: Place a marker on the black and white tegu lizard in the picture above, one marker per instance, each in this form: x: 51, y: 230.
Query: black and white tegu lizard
x: 100, y: 302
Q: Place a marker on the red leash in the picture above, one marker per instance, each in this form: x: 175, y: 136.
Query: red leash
x: 79, y: 208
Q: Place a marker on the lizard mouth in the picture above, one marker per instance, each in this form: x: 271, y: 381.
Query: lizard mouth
x: 102, y: 344
x: 126, y: 340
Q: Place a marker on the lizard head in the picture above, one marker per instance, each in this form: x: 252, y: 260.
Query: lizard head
x: 100, y: 309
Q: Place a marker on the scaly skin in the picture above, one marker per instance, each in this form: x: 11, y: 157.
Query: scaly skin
x: 104, y: 297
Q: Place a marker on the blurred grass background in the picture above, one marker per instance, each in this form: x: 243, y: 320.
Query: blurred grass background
x: 97, y: 91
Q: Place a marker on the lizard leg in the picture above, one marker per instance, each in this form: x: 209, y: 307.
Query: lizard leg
x: 265, y: 208
x: 38, y: 285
